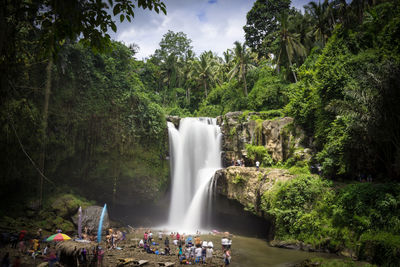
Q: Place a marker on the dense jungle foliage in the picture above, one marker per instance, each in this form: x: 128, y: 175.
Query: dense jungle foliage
x: 362, y: 218
x: 79, y: 110
x: 73, y: 111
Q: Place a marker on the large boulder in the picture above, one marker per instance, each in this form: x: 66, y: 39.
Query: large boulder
x: 66, y: 205
x: 90, y: 218
x: 247, y: 184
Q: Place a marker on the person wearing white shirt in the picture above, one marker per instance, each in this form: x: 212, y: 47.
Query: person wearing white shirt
x: 224, y: 242
x: 209, y: 255
x: 198, y: 254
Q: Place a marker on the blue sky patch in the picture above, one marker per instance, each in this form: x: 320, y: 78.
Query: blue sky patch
x: 212, y: 1
x: 201, y: 16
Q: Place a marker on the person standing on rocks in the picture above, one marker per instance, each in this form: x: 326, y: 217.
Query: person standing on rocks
x: 100, y: 256
x: 160, y: 235
x: 198, y: 254
x: 224, y: 243
x: 209, y: 253
x: 227, y: 257
x: 257, y: 165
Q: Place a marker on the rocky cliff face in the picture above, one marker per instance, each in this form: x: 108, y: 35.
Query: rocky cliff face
x: 174, y: 119
x: 279, y: 136
x: 247, y: 184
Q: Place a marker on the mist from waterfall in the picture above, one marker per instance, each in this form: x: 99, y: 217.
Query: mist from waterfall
x: 195, y: 155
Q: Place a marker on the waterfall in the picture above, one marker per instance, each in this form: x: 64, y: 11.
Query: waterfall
x: 195, y: 155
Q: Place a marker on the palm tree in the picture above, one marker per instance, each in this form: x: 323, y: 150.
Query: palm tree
x: 320, y: 13
x: 202, y: 70
x: 169, y: 69
x: 302, y: 25
x: 290, y: 45
x: 242, y: 64
x: 223, y: 66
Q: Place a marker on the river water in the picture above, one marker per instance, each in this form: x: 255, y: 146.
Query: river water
x: 255, y: 252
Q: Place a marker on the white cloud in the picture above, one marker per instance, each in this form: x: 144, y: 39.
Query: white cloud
x: 211, y: 25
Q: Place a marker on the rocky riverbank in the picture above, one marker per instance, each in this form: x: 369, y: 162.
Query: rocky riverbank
x: 126, y: 249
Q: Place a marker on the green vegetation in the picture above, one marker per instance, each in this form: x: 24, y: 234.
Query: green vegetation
x: 71, y: 116
x: 239, y: 179
x: 79, y: 111
x: 323, y: 262
x: 363, y: 217
x: 334, y: 68
x: 55, y: 214
x: 259, y: 153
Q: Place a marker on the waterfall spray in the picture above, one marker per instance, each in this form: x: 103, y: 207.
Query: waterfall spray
x: 195, y: 155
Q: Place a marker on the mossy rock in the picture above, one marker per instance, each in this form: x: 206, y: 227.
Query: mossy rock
x: 66, y: 205
x: 66, y: 226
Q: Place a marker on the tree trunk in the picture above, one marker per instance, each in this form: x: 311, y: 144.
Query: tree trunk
x: 47, y: 91
x: 205, y: 87
x: 244, y: 83
x: 294, y: 74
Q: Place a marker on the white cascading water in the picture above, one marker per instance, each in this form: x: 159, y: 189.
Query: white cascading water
x: 195, y: 155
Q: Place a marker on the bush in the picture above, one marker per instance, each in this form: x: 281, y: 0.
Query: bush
x: 239, y: 179
x: 299, y: 207
x: 268, y: 92
x: 259, y: 153
x: 381, y: 248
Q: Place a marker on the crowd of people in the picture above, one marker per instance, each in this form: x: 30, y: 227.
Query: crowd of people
x: 189, y: 250
x: 28, y: 245
x: 238, y: 162
x: 114, y: 237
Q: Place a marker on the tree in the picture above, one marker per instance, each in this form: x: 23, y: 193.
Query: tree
x: 51, y: 23
x: 290, y: 45
x: 321, y: 15
x: 242, y: 64
x: 203, y: 70
x: 225, y: 65
x: 262, y: 20
x: 177, y: 44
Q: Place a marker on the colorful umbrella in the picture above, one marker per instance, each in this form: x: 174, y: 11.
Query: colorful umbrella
x: 58, y: 237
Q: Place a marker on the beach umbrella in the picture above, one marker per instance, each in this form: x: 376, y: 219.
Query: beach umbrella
x: 58, y: 237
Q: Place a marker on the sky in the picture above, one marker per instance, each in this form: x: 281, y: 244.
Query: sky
x: 211, y: 24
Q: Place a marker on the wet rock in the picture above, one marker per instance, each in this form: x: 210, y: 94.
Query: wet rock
x: 286, y: 244
x: 90, y: 218
x: 274, y: 139
x: 174, y: 119
x: 247, y: 184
